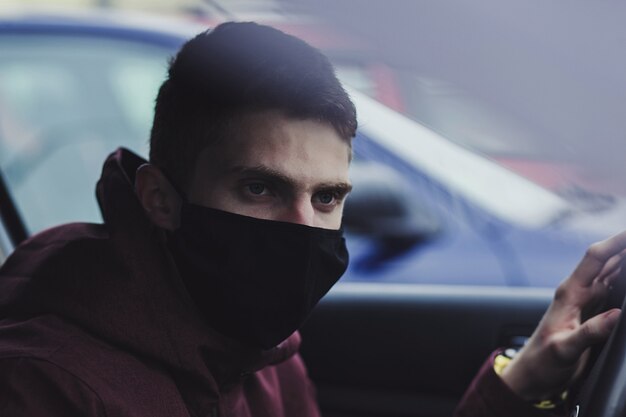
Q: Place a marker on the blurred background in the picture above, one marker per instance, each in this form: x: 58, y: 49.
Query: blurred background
x: 537, y: 85
x: 536, y: 88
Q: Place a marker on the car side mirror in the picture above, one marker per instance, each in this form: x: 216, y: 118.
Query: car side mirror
x: 383, y: 206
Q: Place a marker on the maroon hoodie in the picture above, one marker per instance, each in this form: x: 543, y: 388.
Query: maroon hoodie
x: 96, y: 322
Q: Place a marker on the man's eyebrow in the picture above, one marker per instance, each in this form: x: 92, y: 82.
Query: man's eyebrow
x: 264, y: 173
x: 340, y: 188
x: 272, y: 175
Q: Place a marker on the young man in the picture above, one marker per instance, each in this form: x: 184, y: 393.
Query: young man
x: 187, y: 301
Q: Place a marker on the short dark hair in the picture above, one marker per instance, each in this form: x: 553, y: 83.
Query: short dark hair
x: 234, y: 69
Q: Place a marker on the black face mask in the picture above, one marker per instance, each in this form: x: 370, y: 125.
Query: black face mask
x: 255, y: 280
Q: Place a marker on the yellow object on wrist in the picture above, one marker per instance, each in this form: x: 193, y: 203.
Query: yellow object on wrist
x: 501, y: 361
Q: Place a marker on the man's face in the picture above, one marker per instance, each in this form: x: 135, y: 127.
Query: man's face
x: 276, y: 168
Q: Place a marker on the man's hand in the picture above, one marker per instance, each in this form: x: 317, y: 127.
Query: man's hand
x: 558, y: 349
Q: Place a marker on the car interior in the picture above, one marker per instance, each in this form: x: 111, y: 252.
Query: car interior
x: 410, y: 350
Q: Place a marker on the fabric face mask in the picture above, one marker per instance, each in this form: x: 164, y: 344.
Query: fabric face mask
x: 255, y: 280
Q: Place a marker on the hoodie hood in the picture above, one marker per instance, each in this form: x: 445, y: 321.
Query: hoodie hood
x: 118, y: 282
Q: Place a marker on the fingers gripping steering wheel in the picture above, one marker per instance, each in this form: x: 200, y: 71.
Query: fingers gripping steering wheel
x: 603, y: 393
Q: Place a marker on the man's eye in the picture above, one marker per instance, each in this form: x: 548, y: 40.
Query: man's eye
x: 326, y: 198
x: 257, y: 189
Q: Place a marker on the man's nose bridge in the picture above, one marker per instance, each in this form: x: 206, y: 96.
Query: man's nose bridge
x: 301, y: 211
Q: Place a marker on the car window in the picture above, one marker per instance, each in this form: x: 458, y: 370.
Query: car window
x: 66, y: 102
x: 5, y: 244
x: 426, y: 207
x: 439, y: 213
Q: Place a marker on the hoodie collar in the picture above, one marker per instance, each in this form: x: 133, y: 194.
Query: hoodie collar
x: 150, y: 261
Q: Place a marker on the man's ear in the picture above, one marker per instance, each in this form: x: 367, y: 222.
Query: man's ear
x: 158, y: 197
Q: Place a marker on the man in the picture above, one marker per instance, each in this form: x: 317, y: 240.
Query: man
x: 187, y: 301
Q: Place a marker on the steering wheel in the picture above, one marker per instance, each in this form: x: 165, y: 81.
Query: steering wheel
x: 603, y: 393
